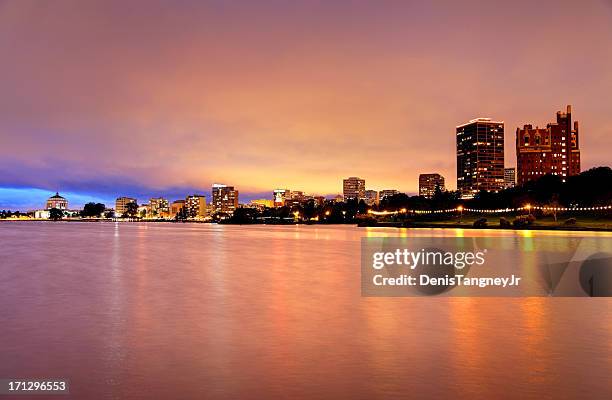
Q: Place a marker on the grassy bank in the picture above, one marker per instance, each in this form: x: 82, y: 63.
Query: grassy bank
x: 585, y: 223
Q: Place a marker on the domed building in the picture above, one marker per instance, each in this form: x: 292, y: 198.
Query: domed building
x: 57, y: 201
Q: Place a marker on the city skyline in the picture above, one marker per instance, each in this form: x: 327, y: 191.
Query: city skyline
x: 121, y: 112
x: 355, y: 187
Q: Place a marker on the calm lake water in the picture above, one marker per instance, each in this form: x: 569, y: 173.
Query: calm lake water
x: 194, y: 311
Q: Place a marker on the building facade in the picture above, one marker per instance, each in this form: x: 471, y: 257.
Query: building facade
x: 428, y: 183
x: 480, y: 156
x: 159, y: 206
x: 353, y: 188
x: 552, y: 150
x: 176, y: 207
x: 224, y: 198
x: 144, y: 210
x: 296, y: 198
x: 387, y: 193
x: 57, y: 201
x: 121, y: 205
x: 195, y: 206
x: 371, y: 197
x: 262, y: 203
x: 509, y: 177
x: 280, y: 196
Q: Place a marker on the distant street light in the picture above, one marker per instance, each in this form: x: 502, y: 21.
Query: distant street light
x: 460, y: 209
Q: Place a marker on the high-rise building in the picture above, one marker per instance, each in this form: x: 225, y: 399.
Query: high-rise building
x: 57, y: 201
x: 353, y: 188
x: 224, y: 198
x: 480, y: 156
x: 280, y: 196
x: 121, y: 205
x: 371, y: 197
x: 387, y: 193
x: 509, y: 177
x: 552, y: 150
x: 195, y: 206
x: 428, y: 183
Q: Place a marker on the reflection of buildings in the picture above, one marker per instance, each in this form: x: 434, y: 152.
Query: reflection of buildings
x: 428, y: 183
x: 480, y: 156
x: 552, y: 150
x: 371, y: 197
x: 57, y: 201
x: 195, y: 206
x: 224, y: 198
x: 509, y: 177
x: 121, y: 205
x: 353, y: 188
x: 387, y: 193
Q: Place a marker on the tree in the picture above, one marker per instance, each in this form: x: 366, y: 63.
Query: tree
x: 131, y: 209
x: 181, y: 215
x: 93, y: 210
x: 553, y: 206
x: 243, y: 216
x: 55, y: 214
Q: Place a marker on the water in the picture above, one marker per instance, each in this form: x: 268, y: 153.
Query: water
x: 166, y: 311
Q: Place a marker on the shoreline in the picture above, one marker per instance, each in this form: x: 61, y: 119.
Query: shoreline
x: 360, y: 225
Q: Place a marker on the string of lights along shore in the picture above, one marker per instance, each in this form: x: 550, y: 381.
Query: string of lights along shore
x: 551, y: 150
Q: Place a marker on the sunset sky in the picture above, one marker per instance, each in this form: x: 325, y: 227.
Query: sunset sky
x: 144, y: 98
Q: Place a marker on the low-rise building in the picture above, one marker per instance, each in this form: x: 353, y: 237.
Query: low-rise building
x: 262, y: 203
x: 121, y: 205
x: 195, y: 206
x: 159, y: 207
x: 176, y: 207
x: 429, y: 183
x: 387, y: 193
x: 371, y: 197
x: 509, y: 177
x: 57, y: 201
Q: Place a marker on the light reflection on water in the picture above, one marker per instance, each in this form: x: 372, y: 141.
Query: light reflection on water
x: 206, y: 311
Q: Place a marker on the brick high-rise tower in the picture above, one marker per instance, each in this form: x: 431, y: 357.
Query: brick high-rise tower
x: 552, y: 150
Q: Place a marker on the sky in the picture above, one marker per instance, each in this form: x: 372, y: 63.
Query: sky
x: 100, y: 99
